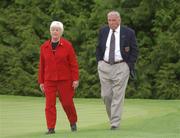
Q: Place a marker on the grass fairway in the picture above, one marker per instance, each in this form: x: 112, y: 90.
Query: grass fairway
x: 23, y: 117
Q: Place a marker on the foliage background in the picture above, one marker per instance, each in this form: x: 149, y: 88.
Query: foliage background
x: 24, y: 26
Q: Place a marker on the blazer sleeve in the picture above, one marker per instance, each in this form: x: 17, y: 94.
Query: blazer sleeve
x: 98, y: 49
x: 41, y: 67
x: 134, y: 49
x: 133, y: 54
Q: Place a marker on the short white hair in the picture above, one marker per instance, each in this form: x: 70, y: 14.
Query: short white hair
x: 58, y: 25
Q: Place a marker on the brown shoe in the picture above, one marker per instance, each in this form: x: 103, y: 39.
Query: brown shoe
x: 114, y: 127
x: 50, y: 131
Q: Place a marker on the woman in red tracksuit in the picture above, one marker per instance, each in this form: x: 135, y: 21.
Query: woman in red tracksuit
x: 58, y: 73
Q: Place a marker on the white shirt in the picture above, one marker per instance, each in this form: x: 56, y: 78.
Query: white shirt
x: 117, y: 54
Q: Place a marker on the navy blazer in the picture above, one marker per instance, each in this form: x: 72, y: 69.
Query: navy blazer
x: 128, y: 46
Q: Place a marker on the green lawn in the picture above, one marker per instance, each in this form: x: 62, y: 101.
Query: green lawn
x: 23, y: 117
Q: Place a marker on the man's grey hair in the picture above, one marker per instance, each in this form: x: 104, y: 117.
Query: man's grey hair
x: 113, y: 13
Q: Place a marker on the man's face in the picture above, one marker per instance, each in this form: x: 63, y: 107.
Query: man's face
x: 55, y: 32
x: 113, y: 21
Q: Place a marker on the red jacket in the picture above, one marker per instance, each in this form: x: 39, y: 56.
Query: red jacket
x: 62, y: 65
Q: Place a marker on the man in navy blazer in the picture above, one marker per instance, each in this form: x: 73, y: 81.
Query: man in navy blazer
x: 114, y: 70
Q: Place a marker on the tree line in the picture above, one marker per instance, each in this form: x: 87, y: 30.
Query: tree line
x: 24, y: 26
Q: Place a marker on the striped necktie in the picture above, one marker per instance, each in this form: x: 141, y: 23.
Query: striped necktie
x: 112, y: 49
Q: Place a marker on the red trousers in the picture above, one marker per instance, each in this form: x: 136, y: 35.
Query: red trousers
x: 65, y: 92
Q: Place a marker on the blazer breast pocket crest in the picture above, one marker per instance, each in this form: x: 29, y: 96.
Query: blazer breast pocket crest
x: 126, y: 49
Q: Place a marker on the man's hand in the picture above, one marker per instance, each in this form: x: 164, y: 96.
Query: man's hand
x: 75, y: 84
x: 42, y: 87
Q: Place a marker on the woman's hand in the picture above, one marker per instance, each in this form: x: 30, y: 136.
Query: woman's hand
x: 42, y: 87
x: 75, y: 84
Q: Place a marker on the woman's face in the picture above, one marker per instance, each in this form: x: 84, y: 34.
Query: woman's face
x: 55, y: 32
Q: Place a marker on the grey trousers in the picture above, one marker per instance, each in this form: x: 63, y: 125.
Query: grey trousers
x: 113, y: 79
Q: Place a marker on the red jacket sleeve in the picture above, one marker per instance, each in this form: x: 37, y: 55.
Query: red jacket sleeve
x: 73, y: 64
x: 41, y: 67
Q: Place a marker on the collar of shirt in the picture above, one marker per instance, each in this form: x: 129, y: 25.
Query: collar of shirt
x: 116, y: 30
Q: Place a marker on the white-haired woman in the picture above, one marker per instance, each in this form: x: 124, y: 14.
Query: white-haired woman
x: 58, y: 73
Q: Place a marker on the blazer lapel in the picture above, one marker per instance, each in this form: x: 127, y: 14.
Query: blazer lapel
x: 122, y: 38
x: 106, y: 33
x: 105, y: 36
